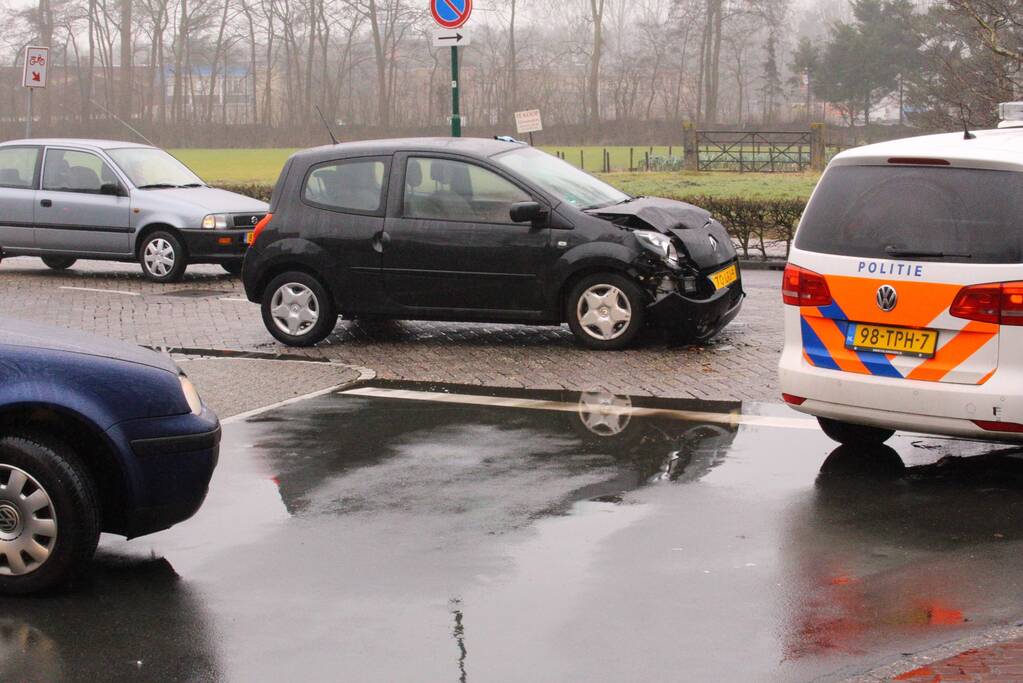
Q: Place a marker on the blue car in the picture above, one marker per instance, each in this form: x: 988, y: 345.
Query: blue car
x: 95, y: 435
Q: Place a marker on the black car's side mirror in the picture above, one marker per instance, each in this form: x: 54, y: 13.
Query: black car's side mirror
x: 112, y: 189
x: 527, y: 212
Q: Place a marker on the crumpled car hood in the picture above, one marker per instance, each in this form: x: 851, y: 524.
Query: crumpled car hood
x: 705, y: 240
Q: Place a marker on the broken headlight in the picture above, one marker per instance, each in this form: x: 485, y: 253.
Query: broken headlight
x: 659, y: 244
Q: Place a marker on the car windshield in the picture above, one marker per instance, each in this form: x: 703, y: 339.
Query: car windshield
x: 560, y: 178
x: 153, y: 168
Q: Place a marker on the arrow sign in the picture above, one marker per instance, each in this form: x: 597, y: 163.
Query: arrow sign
x: 455, y: 38
x: 451, y: 13
x: 35, y: 66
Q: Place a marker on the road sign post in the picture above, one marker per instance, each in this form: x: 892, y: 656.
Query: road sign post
x: 34, y: 76
x: 452, y: 14
x: 528, y: 122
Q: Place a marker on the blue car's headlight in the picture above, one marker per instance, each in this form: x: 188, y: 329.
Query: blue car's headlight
x: 659, y: 244
x: 191, y: 395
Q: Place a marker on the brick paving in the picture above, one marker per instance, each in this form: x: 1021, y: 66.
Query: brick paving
x: 207, y: 311
x: 1001, y: 663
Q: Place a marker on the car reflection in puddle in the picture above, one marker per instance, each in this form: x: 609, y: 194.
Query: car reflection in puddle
x: 132, y: 619
x: 887, y: 550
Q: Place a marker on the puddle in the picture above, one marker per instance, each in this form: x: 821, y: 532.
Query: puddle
x: 509, y: 535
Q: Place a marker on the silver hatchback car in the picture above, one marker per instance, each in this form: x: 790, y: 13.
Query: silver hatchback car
x: 65, y: 200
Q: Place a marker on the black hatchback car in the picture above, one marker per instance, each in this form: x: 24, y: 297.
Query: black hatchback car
x: 481, y: 230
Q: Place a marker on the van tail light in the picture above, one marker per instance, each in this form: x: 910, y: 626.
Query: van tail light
x: 992, y: 426
x: 1000, y: 303
x: 793, y: 400
x: 259, y: 227
x: 802, y: 287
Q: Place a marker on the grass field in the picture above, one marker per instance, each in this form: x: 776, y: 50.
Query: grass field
x: 261, y: 166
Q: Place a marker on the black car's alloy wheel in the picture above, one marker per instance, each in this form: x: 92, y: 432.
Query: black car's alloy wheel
x: 163, y: 257
x: 59, y: 262
x: 49, y: 514
x: 605, y: 311
x: 297, y: 309
x: 853, y: 434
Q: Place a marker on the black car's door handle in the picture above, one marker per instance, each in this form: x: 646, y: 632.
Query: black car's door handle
x: 381, y: 240
x: 46, y: 202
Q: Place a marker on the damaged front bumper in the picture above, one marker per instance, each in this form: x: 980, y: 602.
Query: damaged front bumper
x: 695, y: 319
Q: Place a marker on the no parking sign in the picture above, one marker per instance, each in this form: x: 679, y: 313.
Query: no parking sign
x: 451, y: 13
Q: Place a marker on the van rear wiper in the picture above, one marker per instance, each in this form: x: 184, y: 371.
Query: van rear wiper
x: 920, y: 253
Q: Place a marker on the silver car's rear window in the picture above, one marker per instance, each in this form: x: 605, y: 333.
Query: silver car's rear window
x: 916, y: 212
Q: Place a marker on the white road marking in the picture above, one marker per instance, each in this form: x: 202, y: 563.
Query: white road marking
x: 233, y: 298
x: 101, y: 291
x: 732, y: 418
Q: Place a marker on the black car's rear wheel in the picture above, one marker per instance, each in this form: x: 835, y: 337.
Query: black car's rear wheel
x: 297, y: 309
x: 853, y: 434
x: 59, y: 262
x: 163, y: 257
x: 605, y: 311
x: 49, y: 514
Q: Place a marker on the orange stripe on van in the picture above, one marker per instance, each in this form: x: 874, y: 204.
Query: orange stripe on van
x: 953, y: 353
x: 834, y: 342
x: 919, y: 302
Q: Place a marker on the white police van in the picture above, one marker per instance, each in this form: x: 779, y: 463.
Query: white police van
x: 904, y: 290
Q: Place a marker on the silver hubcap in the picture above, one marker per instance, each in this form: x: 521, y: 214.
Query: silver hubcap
x: 28, y: 523
x: 159, y: 257
x: 604, y: 312
x: 604, y: 414
x: 294, y: 309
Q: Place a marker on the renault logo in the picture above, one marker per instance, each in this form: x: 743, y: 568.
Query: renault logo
x: 887, y: 298
x: 8, y: 519
x: 713, y: 242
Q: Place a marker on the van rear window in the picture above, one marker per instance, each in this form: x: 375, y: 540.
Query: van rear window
x: 951, y: 214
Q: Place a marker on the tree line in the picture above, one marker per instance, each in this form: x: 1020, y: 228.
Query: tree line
x: 588, y: 65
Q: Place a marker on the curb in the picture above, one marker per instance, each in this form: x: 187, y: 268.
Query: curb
x: 757, y: 264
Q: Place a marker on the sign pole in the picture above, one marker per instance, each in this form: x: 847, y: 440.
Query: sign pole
x: 28, y: 121
x: 456, y: 119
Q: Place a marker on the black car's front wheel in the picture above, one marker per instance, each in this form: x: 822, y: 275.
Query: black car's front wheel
x: 298, y: 309
x: 59, y: 262
x: 606, y: 311
x: 49, y: 514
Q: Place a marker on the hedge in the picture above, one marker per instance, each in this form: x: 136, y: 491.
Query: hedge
x: 754, y: 224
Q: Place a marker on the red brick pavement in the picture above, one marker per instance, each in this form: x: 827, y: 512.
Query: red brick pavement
x: 1002, y: 663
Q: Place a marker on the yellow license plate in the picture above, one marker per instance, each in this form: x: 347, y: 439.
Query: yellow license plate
x: 248, y: 237
x: 901, y: 341
x: 725, y: 277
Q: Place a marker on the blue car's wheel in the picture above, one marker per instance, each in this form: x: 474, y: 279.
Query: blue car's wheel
x: 49, y: 514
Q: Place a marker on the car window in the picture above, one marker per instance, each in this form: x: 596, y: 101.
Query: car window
x: 443, y: 189
x: 18, y: 166
x: 67, y: 170
x: 958, y: 214
x: 347, y: 185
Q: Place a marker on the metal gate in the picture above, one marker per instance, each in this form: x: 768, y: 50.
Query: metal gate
x: 753, y: 152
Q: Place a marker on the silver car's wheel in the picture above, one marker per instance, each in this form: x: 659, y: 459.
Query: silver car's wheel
x: 294, y: 308
x: 604, y: 312
x: 159, y: 257
x: 28, y: 523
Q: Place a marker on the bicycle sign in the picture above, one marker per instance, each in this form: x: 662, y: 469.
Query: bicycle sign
x: 36, y: 59
x: 451, y: 13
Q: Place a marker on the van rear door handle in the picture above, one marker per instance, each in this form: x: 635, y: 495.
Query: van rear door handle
x: 46, y: 202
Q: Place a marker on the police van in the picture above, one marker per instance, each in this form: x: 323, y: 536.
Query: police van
x: 904, y: 290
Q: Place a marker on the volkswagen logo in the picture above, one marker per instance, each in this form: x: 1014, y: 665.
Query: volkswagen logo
x: 887, y: 298
x: 253, y: 220
x: 9, y: 519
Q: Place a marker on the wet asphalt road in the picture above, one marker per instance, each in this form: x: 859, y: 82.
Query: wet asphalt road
x: 376, y: 536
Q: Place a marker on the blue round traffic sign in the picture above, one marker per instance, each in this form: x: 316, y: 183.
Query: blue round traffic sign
x: 451, y: 13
